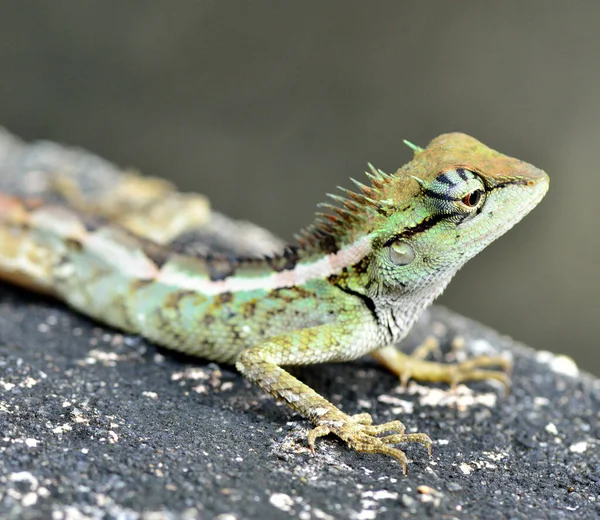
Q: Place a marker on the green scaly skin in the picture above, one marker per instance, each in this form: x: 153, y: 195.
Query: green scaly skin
x: 354, y: 283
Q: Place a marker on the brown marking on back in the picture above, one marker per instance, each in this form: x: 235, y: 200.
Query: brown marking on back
x: 174, y: 298
x: 220, y: 267
x: 223, y: 298
x: 208, y: 319
x: 139, y: 283
x: 248, y: 309
x: 350, y: 272
x: 289, y: 294
x: 74, y: 244
x: 286, y: 261
x: 159, y: 255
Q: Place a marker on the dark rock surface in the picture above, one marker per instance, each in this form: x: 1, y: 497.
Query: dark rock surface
x: 95, y: 424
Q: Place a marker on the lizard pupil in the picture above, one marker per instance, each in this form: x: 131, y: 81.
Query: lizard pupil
x: 473, y: 199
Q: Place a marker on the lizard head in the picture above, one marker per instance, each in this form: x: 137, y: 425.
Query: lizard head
x: 453, y: 199
x: 425, y: 221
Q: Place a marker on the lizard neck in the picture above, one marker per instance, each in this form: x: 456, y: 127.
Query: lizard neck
x: 398, y: 313
x: 395, y: 308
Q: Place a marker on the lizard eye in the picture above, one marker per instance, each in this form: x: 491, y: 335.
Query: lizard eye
x: 458, y: 193
x: 473, y: 199
x: 401, y: 253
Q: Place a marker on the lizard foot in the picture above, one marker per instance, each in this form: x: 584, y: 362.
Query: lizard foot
x: 477, y: 369
x: 416, y: 367
x: 359, y: 432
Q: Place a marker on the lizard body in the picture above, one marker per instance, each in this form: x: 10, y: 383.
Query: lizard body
x: 354, y: 283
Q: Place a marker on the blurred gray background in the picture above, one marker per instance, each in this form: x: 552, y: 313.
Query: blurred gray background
x: 266, y: 105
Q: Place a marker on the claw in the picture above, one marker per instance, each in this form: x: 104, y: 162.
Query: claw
x: 470, y: 370
x: 315, y: 433
x: 361, y: 435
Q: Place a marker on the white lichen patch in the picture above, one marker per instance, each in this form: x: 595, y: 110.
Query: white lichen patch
x: 106, y: 358
x: 429, y: 495
x: 493, y: 457
x: 63, y: 428
x: 560, y: 364
x: 465, y: 468
x: 399, y: 406
x: 281, y: 501
x: 29, y: 442
x: 24, y: 476
x: 371, y: 505
x: 461, y: 397
x: 319, y: 514
x: 212, y: 375
x: 382, y: 494
x: 579, y: 447
x: 496, y: 456
x: 78, y: 417
x: 6, y: 386
x: 227, y: 386
x: 191, y: 373
x: 26, y: 382
x: 365, y: 404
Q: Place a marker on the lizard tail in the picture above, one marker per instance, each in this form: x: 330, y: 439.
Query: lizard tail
x: 23, y: 261
x: 86, y: 261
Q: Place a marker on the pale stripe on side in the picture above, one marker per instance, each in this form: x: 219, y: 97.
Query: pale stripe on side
x: 329, y: 265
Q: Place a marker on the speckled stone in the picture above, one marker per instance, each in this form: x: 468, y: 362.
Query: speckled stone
x: 95, y: 424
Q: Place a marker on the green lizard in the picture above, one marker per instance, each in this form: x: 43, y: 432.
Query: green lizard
x: 354, y: 283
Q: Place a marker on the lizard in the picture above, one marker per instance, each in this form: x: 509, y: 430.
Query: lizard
x: 353, y: 283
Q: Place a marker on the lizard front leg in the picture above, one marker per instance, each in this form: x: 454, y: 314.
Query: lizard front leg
x: 261, y: 365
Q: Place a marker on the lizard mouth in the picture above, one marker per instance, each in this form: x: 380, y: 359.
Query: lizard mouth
x: 535, y: 189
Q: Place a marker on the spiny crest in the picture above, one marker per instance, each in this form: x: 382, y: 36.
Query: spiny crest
x: 351, y: 208
x: 412, y: 146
